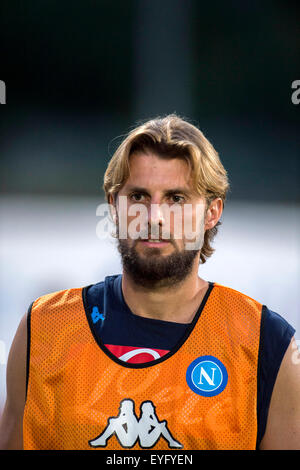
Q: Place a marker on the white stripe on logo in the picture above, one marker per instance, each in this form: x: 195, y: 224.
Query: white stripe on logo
x: 135, y: 352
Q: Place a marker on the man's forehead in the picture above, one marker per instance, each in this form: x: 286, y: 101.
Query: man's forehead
x: 140, y: 160
x: 149, y: 170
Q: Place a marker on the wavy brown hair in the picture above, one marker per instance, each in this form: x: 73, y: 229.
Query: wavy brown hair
x: 173, y: 137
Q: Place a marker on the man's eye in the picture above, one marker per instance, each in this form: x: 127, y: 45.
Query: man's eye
x: 177, y: 199
x: 136, y: 197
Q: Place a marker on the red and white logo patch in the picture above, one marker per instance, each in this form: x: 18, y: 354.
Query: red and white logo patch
x: 136, y: 355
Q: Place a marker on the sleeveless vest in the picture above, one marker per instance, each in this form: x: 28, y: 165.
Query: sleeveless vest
x: 201, y: 395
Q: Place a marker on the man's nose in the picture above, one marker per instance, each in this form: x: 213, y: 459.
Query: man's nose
x: 156, y: 220
x: 156, y: 214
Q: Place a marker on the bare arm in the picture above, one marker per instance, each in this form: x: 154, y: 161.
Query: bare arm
x: 11, y: 423
x: 283, y: 424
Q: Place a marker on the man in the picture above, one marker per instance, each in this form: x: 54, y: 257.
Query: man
x: 208, y: 367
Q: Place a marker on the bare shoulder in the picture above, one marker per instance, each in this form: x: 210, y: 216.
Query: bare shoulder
x: 283, y: 424
x: 11, y: 436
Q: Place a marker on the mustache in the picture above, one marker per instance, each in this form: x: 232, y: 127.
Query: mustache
x: 155, y: 234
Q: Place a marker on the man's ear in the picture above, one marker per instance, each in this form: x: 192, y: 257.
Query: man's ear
x: 213, y: 213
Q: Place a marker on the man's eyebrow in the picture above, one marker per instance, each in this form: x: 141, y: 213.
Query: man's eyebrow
x: 185, y: 191
x: 176, y: 190
x: 137, y: 189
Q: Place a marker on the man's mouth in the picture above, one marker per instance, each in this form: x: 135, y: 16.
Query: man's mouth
x: 159, y: 242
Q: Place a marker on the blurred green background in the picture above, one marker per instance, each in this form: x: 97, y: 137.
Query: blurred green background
x: 79, y: 74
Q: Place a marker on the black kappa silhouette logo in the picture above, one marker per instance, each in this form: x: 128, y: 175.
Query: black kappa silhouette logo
x: 128, y: 429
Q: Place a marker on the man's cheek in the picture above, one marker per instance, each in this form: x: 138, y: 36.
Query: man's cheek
x: 194, y: 227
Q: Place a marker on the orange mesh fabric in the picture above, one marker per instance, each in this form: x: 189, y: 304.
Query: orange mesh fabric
x: 75, y: 390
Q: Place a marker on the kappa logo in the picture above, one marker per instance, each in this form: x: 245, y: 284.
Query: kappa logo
x: 96, y: 315
x: 207, y: 376
x: 128, y: 429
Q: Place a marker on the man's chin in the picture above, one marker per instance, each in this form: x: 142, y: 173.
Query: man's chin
x: 151, y: 268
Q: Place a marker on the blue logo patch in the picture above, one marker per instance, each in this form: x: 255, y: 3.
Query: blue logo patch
x: 96, y: 315
x: 207, y: 376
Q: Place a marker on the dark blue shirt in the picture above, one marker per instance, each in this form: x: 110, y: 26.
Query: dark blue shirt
x: 114, y: 325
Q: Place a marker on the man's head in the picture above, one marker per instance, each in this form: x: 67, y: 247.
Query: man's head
x: 167, y: 167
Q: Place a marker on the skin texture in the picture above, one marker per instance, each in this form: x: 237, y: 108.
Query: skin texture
x: 283, y: 425
x: 157, y: 175
x: 11, y: 423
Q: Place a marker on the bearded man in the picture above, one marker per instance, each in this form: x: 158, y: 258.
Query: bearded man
x: 217, y: 366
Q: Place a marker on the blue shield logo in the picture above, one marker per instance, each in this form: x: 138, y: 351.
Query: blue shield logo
x: 207, y: 376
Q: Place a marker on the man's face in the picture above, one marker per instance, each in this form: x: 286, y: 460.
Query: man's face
x: 163, y: 218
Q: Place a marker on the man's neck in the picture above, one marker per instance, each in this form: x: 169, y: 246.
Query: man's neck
x: 177, y: 304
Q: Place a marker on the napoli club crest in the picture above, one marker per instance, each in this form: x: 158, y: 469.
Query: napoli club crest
x: 207, y: 376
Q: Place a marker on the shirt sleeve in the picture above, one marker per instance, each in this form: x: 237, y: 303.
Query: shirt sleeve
x: 275, y: 337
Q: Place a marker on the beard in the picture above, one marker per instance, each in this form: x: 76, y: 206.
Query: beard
x: 152, y: 270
